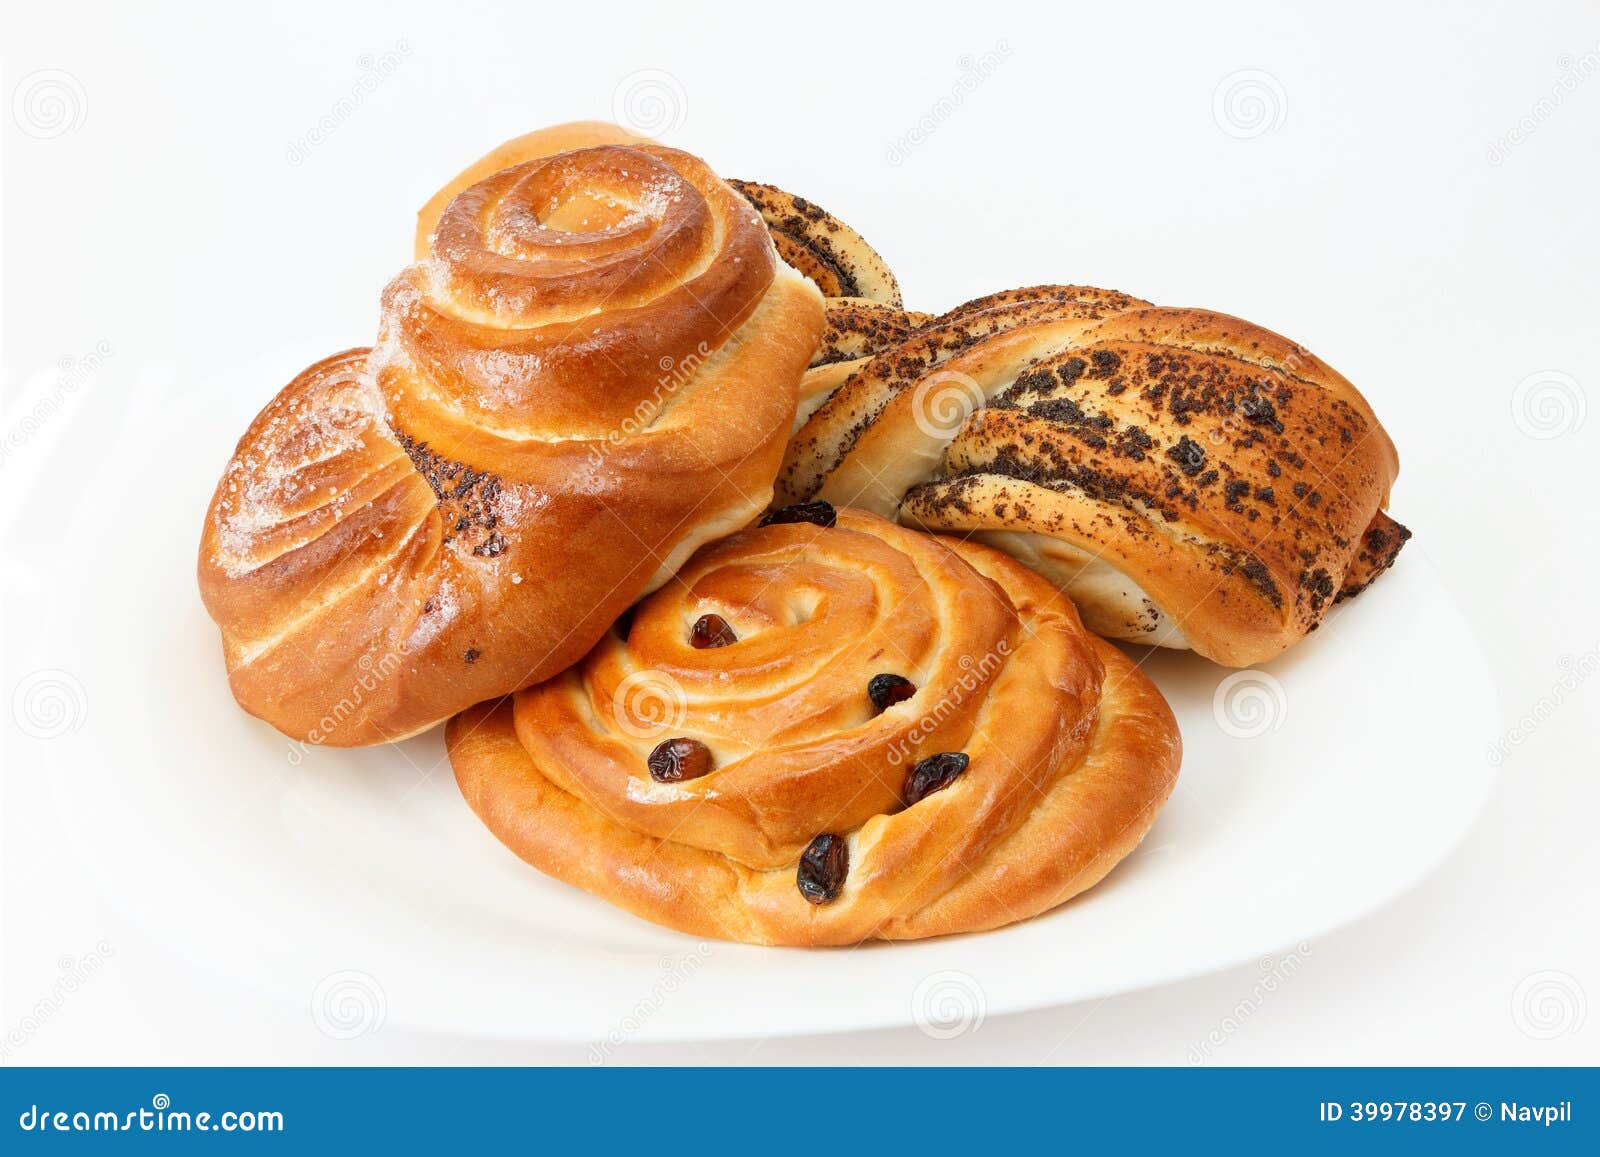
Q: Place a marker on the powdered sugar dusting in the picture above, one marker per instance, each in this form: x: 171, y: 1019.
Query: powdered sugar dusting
x: 441, y: 609
x: 274, y: 477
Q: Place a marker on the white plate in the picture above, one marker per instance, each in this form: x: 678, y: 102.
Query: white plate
x: 351, y: 876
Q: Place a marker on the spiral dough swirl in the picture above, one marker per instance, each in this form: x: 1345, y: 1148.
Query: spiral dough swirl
x: 589, y: 375
x: 1018, y: 761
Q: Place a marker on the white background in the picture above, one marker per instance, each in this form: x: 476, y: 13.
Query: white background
x: 1382, y: 184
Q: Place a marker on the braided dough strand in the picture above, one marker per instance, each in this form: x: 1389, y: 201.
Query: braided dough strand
x: 1192, y: 480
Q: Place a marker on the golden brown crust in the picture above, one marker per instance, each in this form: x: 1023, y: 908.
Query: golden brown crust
x: 1380, y: 546
x: 1072, y: 751
x: 593, y: 373
x: 915, y: 372
x: 1191, y: 479
x: 858, y: 328
x: 864, y: 311
x: 865, y: 315
x: 824, y: 248
x: 529, y: 146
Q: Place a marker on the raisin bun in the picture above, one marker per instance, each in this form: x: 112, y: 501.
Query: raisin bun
x: 830, y: 729
x: 1190, y: 479
x: 592, y: 371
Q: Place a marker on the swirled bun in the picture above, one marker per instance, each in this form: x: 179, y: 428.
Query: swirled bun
x: 865, y: 314
x: 592, y: 373
x: 830, y: 729
x: 1190, y: 479
x: 532, y: 146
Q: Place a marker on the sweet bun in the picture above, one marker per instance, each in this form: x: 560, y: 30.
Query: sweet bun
x: 830, y: 729
x: 865, y: 314
x: 592, y: 373
x: 1190, y: 479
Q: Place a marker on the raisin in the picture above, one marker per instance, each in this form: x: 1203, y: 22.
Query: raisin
x: 711, y: 631
x: 935, y: 773
x: 817, y: 513
x: 887, y: 690
x: 823, y: 867
x: 678, y: 759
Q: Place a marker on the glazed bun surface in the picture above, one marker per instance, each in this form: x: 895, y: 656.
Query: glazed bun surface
x: 1190, y: 479
x: 592, y: 373
x: 823, y: 734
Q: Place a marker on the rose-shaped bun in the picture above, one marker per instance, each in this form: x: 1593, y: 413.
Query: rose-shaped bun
x: 830, y: 729
x: 865, y: 315
x: 591, y: 374
x: 532, y: 146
